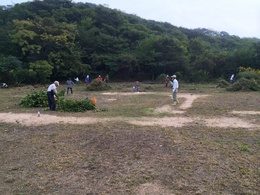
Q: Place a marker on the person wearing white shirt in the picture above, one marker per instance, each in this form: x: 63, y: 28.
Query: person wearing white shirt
x: 175, y: 86
x: 232, y: 78
x: 52, y: 94
x: 77, y: 80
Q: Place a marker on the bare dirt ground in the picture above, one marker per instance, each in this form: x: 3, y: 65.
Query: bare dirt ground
x: 178, y: 121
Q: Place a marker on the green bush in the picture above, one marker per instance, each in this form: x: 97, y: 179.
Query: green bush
x: 161, y: 78
x: 75, y: 105
x: 39, y: 99
x: 199, y: 76
x: 36, y: 99
x: 249, y: 84
x: 248, y: 75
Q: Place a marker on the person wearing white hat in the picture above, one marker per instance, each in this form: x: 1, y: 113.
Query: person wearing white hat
x: 52, y: 94
x: 175, y: 86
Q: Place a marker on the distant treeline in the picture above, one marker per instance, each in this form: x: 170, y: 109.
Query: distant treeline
x: 48, y: 40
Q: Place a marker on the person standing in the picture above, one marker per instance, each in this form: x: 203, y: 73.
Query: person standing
x: 166, y: 81
x: 136, y: 86
x: 175, y: 86
x: 52, y: 95
x: 69, y: 84
x: 77, y: 80
x: 87, y: 79
x: 106, y: 79
x: 100, y: 78
x: 232, y: 78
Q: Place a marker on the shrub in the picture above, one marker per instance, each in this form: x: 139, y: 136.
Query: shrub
x: 249, y: 84
x: 248, y: 75
x: 36, y: 99
x: 75, y: 105
x: 39, y: 99
x: 161, y: 78
x: 199, y: 76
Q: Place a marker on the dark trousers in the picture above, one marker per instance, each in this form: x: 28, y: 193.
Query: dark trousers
x: 51, y: 100
x: 69, y: 89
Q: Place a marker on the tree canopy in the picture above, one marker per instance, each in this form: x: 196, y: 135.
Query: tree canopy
x: 56, y: 39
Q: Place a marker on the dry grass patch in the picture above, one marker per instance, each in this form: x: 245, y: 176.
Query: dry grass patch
x: 112, y: 155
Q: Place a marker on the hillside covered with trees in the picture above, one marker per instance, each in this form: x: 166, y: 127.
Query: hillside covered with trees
x: 56, y: 39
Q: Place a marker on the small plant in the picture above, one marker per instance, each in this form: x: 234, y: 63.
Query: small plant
x: 244, y: 148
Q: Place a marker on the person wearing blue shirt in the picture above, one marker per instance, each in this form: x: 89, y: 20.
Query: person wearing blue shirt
x: 87, y: 79
x: 69, y: 84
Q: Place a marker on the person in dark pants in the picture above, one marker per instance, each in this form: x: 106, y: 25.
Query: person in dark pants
x: 69, y: 84
x: 106, y: 79
x: 166, y: 81
x: 52, y: 94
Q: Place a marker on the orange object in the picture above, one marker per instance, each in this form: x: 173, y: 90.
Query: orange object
x: 93, y: 100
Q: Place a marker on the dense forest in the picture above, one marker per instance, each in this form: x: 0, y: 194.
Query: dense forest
x: 56, y: 39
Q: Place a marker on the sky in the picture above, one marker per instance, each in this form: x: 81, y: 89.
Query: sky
x: 236, y: 17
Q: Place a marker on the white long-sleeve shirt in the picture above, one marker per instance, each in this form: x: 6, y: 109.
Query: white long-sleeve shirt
x: 175, y: 85
x: 52, y: 87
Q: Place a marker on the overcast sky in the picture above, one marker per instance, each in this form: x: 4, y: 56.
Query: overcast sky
x: 236, y: 17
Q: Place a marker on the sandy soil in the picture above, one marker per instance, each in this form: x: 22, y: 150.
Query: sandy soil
x: 178, y: 121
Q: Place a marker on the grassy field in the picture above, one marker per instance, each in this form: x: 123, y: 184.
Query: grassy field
x: 117, y: 157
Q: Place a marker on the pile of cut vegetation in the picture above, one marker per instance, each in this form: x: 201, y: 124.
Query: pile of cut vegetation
x: 247, y: 80
x: 97, y: 85
x: 39, y: 99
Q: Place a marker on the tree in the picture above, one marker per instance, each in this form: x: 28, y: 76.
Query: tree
x: 45, y: 39
x: 42, y: 70
x: 8, y: 67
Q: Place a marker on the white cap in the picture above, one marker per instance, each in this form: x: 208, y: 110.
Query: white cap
x: 174, y: 76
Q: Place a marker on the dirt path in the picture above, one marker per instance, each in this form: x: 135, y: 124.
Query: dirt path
x: 179, y: 121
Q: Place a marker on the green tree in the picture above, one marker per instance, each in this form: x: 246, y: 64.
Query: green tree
x: 8, y: 67
x: 42, y: 69
x: 45, y: 39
